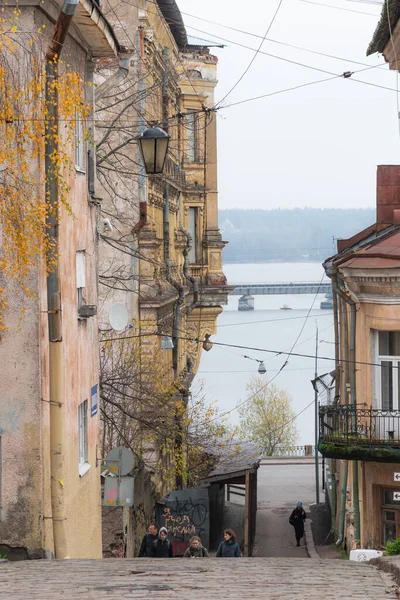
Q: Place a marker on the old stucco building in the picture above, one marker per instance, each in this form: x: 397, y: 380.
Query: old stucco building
x: 360, y: 428
x: 49, y: 415
x: 162, y: 251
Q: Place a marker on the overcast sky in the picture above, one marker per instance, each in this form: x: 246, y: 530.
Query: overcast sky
x: 317, y: 146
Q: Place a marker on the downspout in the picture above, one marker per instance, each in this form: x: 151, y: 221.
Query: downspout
x: 343, y: 502
x: 333, y: 466
x: 180, y: 289
x: 56, y: 359
x: 138, y: 226
x: 353, y: 316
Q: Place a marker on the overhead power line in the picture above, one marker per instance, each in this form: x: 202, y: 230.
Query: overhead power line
x: 255, y: 55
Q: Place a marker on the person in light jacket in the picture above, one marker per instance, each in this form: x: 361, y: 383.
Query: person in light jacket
x: 196, y: 549
x: 229, y: 548
x: 162, y: 547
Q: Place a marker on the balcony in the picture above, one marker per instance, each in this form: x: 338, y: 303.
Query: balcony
x: 368, y: 434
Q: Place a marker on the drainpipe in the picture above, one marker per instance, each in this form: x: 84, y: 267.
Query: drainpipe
x: 138, y: 226
x: 56, y: 358
x: 353, y: 315
x: 343, y: 503
x: 175, y: 284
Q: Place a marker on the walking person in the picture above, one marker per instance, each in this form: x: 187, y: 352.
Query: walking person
x: 162, y: 547
x: 147, y: 541
x: 229, y: 548
x: 195, y: 549
x: 297, y: 519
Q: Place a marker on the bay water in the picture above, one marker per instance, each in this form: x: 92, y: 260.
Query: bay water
x: 224, y: 372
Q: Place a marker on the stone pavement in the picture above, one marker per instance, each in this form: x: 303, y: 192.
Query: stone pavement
x: 184, y: 579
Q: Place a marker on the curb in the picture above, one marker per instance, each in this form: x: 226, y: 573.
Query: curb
x: 310, y: 546
x: 389, y: 565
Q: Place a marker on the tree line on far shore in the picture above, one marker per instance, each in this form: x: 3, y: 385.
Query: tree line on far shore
x: 288, y: 234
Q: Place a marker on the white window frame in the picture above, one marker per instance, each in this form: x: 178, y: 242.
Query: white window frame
x: 379, y: 359
x: 80, y: 145
x: 84, y: 465
x: 80, y: 276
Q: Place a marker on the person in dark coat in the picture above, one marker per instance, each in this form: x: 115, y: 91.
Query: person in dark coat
x: 162, y: 547
x: 196, y: 549
x: 229, y: 548
x: 147, y: 541
x: 297, y: 519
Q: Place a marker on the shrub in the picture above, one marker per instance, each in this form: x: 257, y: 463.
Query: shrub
x: 392, y: 548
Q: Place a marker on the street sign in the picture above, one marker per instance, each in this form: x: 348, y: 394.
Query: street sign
x: 396, y: 476
x: 396, y: 496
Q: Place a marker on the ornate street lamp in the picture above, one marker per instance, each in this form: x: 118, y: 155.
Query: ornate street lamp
x: 153, y: 144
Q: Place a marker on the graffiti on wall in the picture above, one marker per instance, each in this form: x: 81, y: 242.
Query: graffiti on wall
x: 185, y: 513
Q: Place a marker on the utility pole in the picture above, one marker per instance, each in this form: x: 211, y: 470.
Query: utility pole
x: 316, y: 418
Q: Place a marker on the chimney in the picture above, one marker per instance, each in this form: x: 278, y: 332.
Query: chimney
x: 387, y: 194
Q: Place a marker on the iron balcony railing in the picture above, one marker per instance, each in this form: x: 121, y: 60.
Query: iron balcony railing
x: 351, y: 426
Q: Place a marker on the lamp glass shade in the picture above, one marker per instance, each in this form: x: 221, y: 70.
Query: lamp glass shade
x: 207, y: 344
x: 261, y: 368
x: 154, y: 147
x: 166, y: 342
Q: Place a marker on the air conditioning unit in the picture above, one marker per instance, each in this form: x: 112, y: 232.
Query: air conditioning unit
x: 87, y: 310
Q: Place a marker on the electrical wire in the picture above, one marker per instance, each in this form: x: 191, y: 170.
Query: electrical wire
x: 255, y: 55
x: 339, y: 8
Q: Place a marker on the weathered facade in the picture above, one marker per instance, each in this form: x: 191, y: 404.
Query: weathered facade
x: 360, y: 428
x: 162, y: 255
x: 49, y: 417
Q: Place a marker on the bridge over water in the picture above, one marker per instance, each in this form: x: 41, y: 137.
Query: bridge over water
x: 271, y: 289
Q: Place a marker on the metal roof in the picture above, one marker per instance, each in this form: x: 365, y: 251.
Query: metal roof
x: 234, y: 459
x: 173, y: 17
x: 390, y: 11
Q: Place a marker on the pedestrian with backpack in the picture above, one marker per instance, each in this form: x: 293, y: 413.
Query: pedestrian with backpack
x: 196, y: 549
x: 162, y: 547
x: 229, y: 548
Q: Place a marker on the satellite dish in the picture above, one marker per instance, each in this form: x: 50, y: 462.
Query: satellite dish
x: 120, y: 461
x: 118, y: 317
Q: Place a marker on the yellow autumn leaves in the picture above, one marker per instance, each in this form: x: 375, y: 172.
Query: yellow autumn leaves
x: 25, y: 243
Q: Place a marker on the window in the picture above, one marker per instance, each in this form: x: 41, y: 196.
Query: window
x: 80, y: 277
x: 191, y: 136
x: 387, y: 386
x: 390, y: 514
x: 192, y: 228
x: 79, y: 144
x: 82, y: 432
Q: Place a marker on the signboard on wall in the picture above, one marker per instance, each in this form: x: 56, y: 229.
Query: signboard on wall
x: 94, y: 400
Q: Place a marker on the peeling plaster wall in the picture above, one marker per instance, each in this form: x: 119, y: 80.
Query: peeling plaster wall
x: 26, y: 513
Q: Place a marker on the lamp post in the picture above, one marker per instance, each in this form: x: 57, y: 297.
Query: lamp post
x: 153, y: 144
x: 316, y: 419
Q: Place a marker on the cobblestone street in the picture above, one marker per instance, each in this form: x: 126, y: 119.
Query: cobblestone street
x: 267, y: 578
